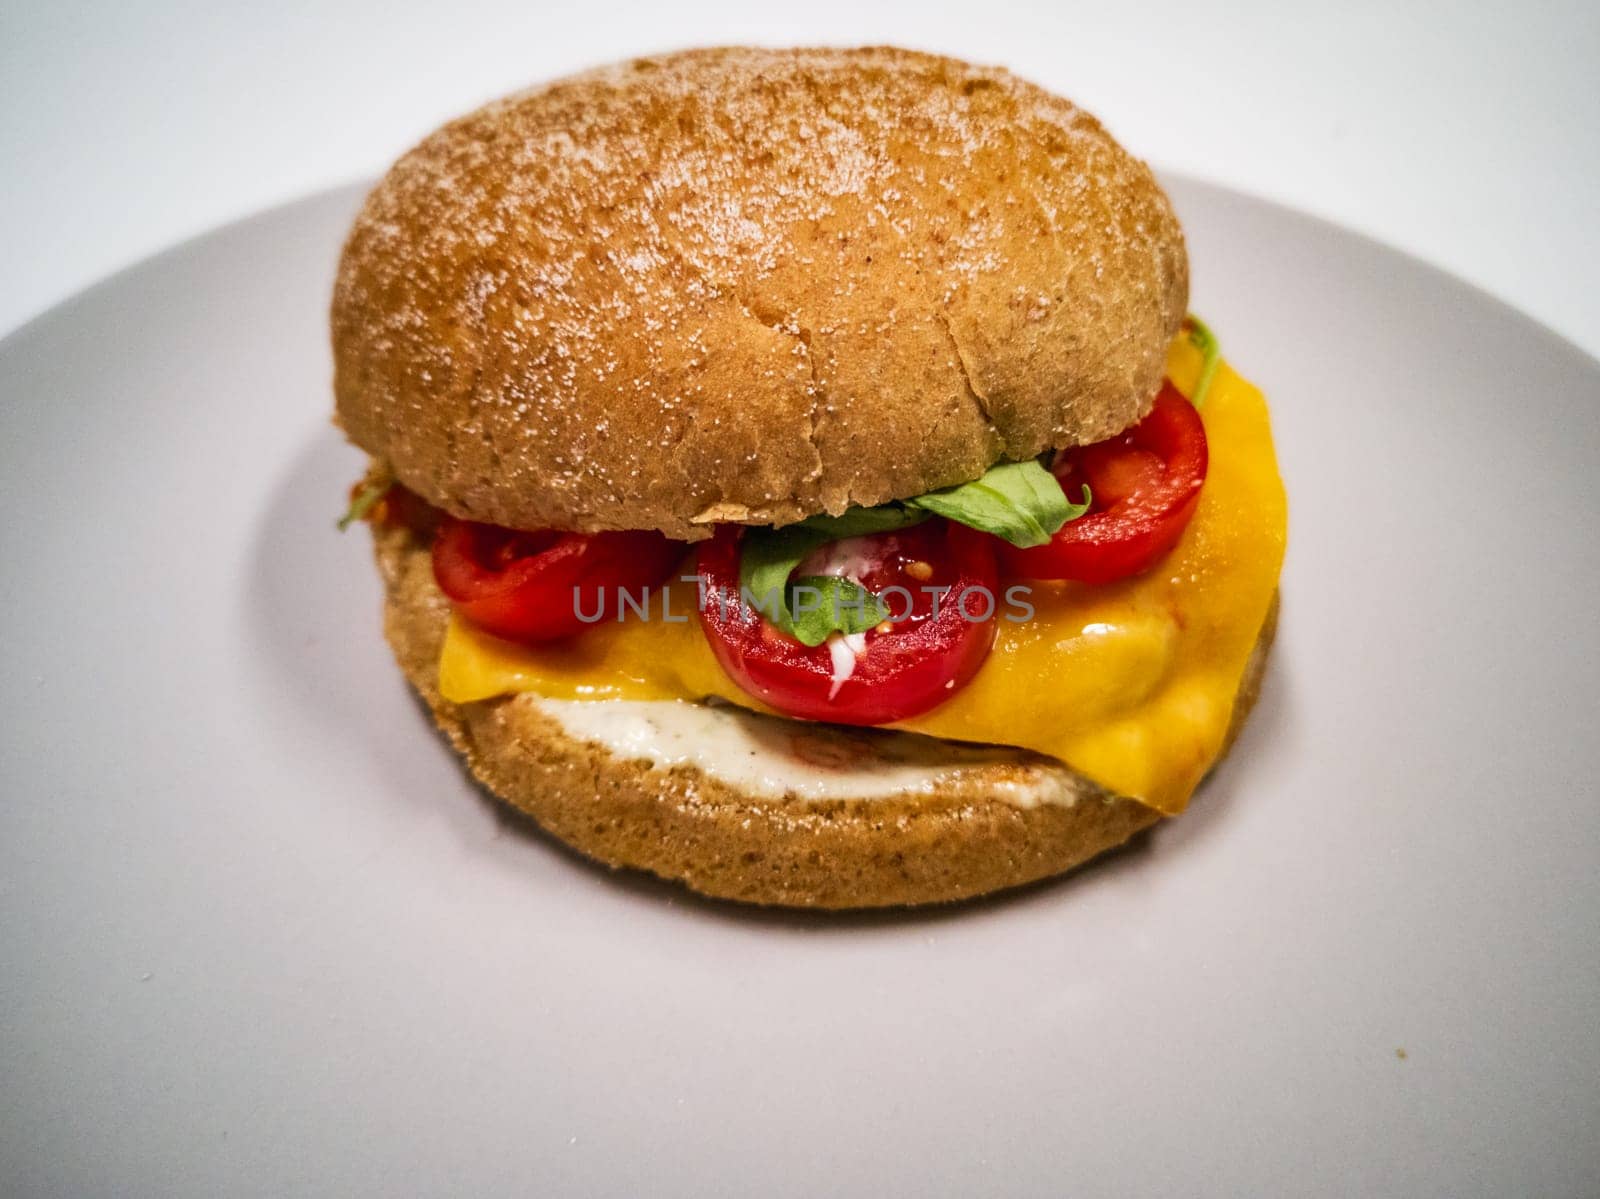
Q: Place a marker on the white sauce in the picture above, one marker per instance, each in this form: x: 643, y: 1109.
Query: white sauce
x: 843, y: 650
x: 850, y: 558
x: 767, y: 755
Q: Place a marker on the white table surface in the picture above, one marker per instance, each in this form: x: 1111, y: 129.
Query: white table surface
x: 1465, y: 134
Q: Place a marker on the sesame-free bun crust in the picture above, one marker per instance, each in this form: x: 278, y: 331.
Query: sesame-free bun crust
x: 750, y: 285
x: 958, y: 840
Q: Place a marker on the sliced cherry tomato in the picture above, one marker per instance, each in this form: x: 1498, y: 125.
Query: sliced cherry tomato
x: 533, y: 586
x: 935, y: 643
x: 1143, y: 485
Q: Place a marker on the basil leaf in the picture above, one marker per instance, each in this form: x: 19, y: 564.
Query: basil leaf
x: 825, y: 604
x: 1018, y: 501
x: 364, y: 502
x: 813, y: 606
x: 858, y: 522
x: 766, y: 560
x: 1203, y: 339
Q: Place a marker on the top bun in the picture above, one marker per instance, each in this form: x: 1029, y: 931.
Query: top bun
x: 750, y: 285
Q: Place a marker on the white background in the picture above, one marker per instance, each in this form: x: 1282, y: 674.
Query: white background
x: 1467, y: 134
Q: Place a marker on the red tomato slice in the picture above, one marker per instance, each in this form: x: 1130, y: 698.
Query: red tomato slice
x: 906, y: 669
x: 1143, y: 484
x: 532, y: 586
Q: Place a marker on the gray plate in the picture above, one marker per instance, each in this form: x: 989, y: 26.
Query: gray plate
x: 258, y: 934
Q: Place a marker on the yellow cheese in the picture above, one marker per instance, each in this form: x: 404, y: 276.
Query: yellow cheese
x: 1131, y: 684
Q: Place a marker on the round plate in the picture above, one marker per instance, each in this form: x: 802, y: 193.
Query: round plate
x: 259, y: 934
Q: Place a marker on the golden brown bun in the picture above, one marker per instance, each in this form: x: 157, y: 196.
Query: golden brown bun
x: 959, y: 841
x: 750, y: 285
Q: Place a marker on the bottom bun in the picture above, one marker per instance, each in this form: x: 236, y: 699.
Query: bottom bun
x: 975, y: 820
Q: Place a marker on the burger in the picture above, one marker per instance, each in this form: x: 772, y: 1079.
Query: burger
x: 795, y: 473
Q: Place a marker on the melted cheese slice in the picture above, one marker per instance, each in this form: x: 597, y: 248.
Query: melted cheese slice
x: 1131, y: 684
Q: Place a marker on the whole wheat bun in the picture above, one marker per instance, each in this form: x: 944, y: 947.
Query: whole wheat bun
x: 959, y: 840
x: 750, y: 285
